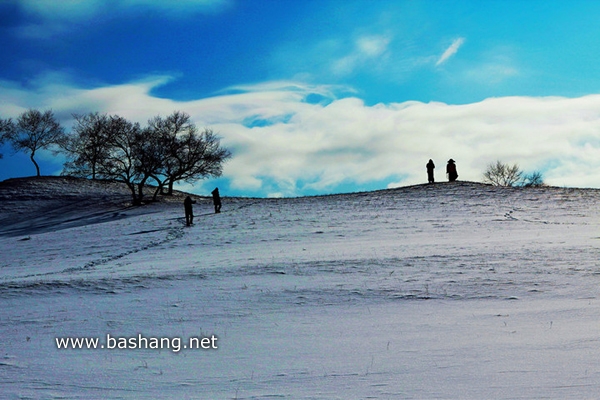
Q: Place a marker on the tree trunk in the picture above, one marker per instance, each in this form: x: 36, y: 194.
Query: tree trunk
x: 140, y: 192
x: 156, y: 192
x: 37, y: 167
x: 134, y: 199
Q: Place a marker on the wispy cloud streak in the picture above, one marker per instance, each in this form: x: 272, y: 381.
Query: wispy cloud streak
x: 367, y: 49
x: 450, y: 51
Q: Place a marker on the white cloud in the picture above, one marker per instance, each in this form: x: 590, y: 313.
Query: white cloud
x: 301, y: 147
x: 372, y: 46
x: 366, y: 49
x: 498, y: 66
x: 450, y: 51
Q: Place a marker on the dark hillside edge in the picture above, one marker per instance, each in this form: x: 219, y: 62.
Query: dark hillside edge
x: 43, y: 204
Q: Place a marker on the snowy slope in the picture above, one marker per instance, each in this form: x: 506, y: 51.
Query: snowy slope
x: 433, y: 291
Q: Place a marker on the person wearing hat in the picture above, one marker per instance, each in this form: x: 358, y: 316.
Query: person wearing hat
x: 451, y: 171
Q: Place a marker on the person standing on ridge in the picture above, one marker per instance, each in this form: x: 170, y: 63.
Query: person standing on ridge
x: 216, y: 200
x: 189, y: 212
x: 430, y: 168
x: 451, y: 171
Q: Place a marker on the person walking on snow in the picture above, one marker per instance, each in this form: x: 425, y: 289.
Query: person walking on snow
x: 216, y: 200
x: 189, y: 211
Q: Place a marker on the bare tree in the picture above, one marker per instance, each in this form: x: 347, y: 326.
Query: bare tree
x: 168, y: 150
x: 186, y: 154
x: 500, y: 174
x: 34, y: 131
x: 87, y: 145
x: 149, y: 157
x: 131, y: 155
x: 120, y: 161
x: 167, y: 131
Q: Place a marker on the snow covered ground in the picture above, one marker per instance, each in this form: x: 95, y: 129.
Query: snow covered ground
x: 445, y: 291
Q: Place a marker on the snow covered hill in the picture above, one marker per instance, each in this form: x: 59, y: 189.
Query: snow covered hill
x: 458, y: 290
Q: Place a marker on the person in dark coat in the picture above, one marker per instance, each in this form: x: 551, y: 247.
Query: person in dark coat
x: 189, y: 211
x: 430, y: 168
x: 451, y: 171
x: 216, y: 200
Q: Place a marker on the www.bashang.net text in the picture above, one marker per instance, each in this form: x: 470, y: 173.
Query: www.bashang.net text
x: 175, y: 344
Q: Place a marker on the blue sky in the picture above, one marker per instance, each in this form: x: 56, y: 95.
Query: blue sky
x: 322, y: 96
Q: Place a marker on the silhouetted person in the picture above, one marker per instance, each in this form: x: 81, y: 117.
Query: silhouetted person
x: 216, y: 200
x: 451, y: 171
x: 189, y: 211
x: 430, y: 168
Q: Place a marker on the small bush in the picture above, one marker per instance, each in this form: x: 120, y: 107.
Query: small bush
x: 535, y: 179
x: 500, y: 174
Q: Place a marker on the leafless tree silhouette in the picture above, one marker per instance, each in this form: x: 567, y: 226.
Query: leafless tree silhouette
x: 32, y: 131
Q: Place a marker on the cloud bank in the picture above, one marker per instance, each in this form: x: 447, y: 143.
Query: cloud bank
x: 291, y: 138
